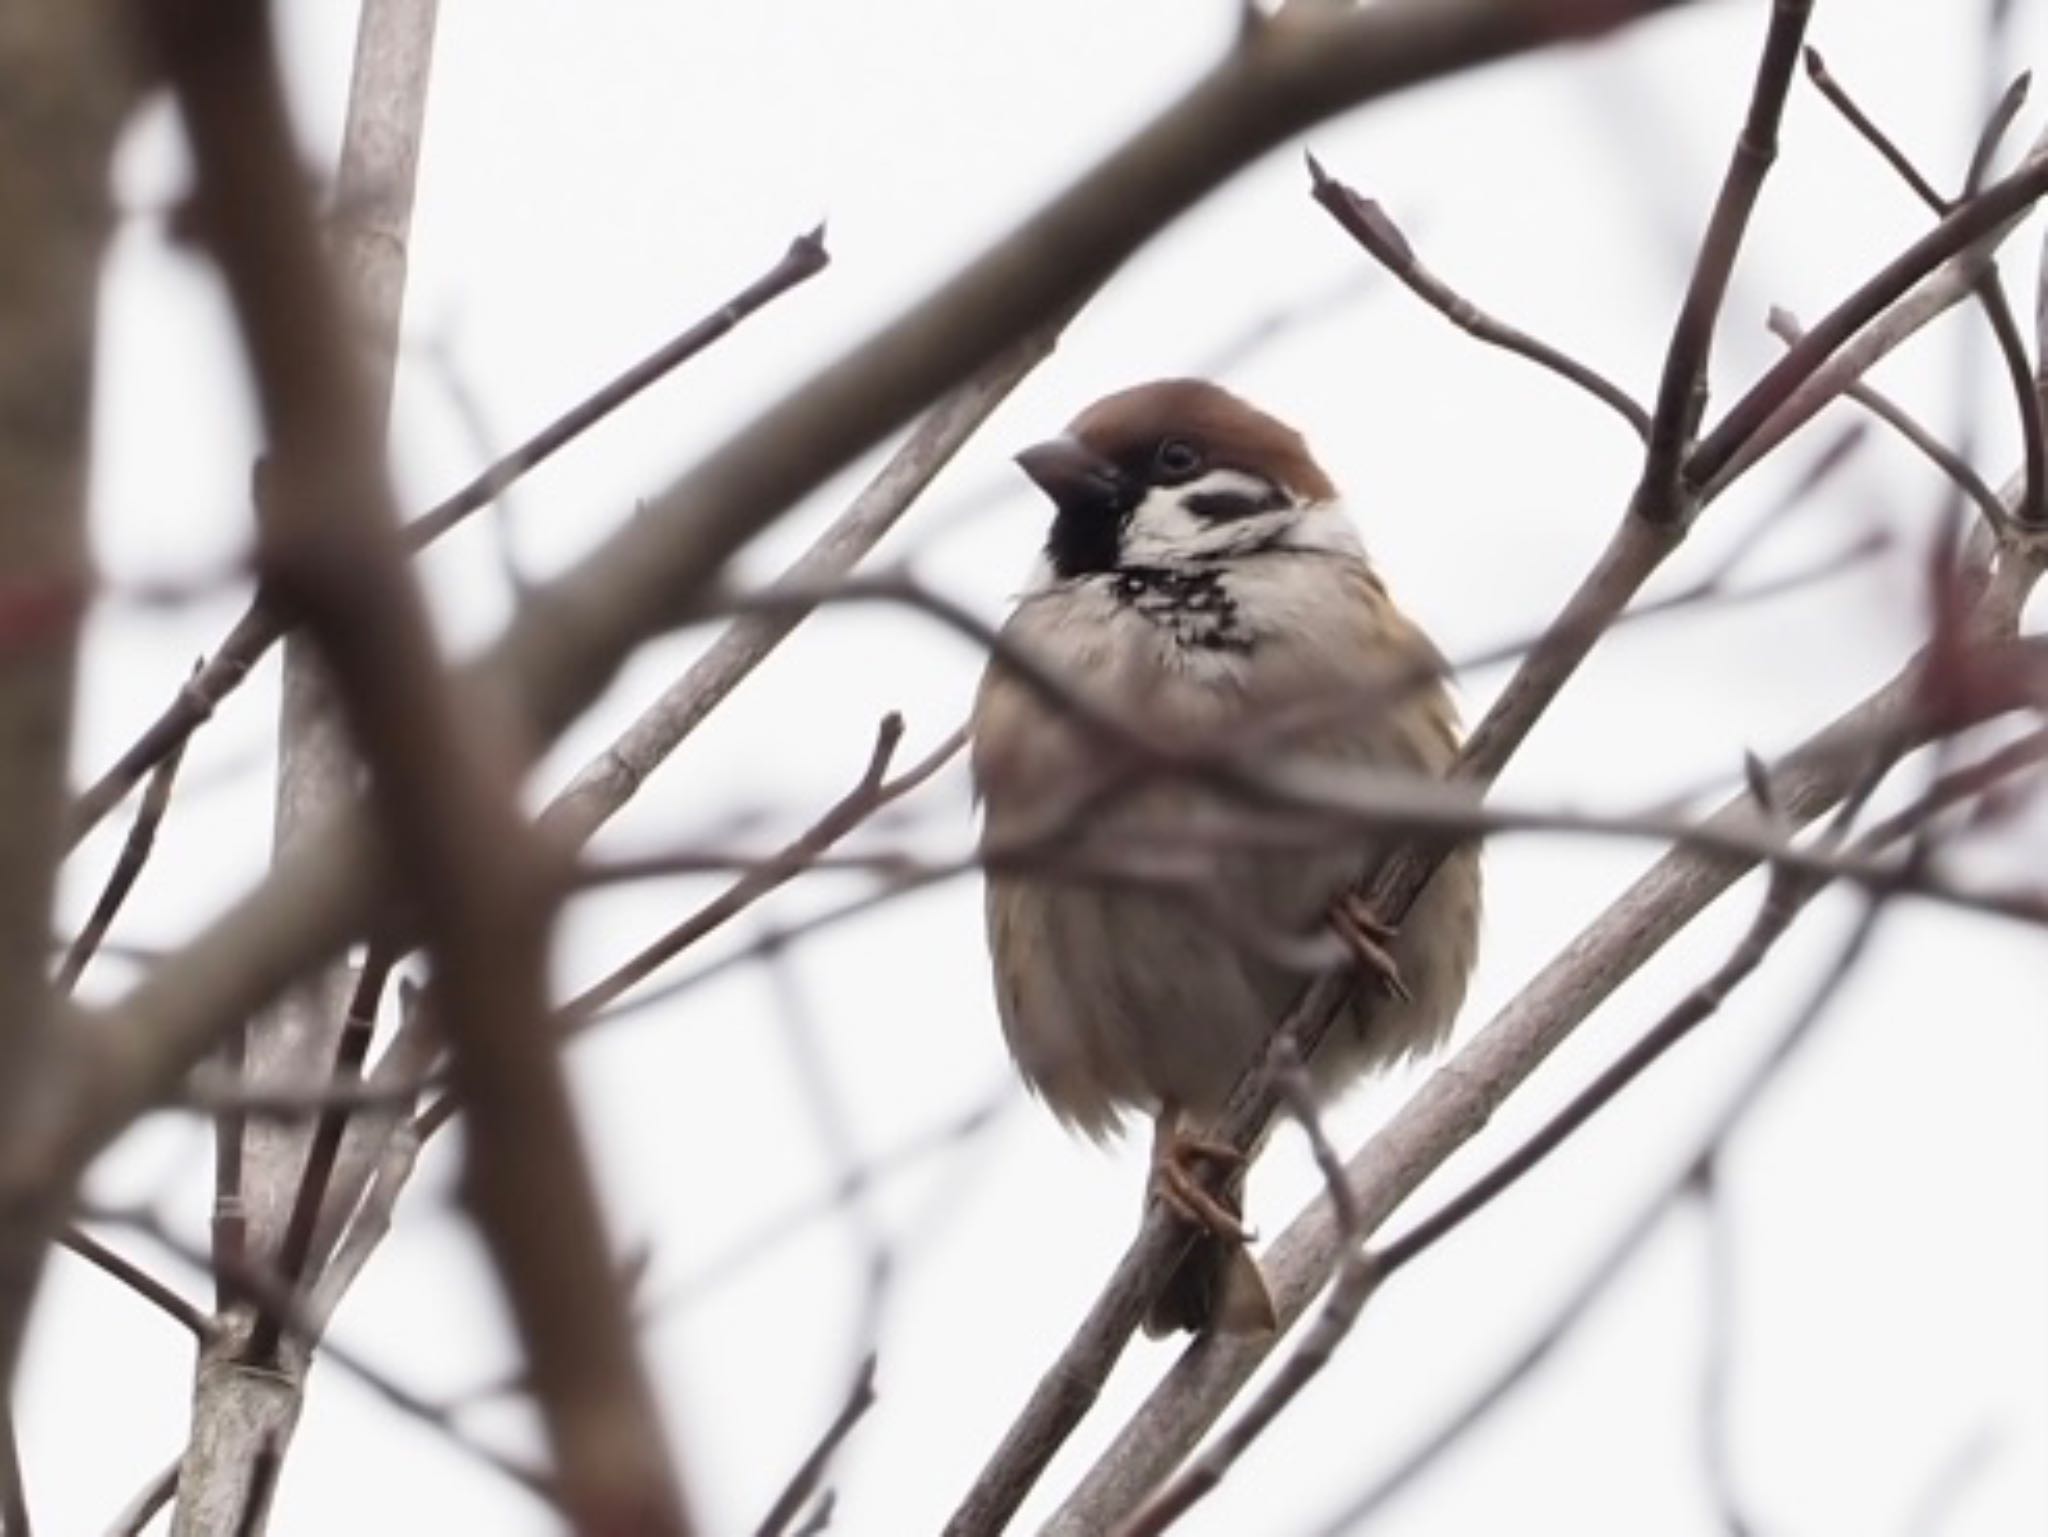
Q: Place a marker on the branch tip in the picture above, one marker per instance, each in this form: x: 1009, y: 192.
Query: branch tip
x: 1757, y: 775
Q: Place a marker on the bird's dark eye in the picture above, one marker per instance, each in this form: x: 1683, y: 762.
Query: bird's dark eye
x: 1177, y: 459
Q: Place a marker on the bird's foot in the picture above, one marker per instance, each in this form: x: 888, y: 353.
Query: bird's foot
x: 1176, y: 1181
x: 1368, y: 939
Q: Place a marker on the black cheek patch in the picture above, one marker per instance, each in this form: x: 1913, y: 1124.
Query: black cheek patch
x: 1230, y: 506
x: 1084, y: 541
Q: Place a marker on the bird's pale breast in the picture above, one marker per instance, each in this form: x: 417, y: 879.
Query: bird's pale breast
x: 1142, y: 925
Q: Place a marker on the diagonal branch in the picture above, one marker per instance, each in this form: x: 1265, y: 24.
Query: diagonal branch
x: 1785, y: 326
x: 860, y: 1398
x: 1990, y: 289
x: 261, y: 625
x: 1682, y: 392
x: 128, y: 866
x: 876, y: 789
x: 1365, y: 221
x: 1990, y: 214
x: 610, y: 779
x: 150, y: 1289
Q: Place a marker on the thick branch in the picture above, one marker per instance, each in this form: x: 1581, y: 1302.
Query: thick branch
x: 63, y: 88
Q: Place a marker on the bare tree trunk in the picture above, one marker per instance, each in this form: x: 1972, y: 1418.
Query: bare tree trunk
x: 247, y: 1398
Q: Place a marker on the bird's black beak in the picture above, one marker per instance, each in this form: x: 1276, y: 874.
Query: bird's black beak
x: 1077, y: 478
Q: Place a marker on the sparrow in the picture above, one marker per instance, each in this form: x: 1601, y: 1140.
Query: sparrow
x: 1203, y: 594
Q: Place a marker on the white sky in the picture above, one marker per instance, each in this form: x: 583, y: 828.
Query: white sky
x: 594, y: 177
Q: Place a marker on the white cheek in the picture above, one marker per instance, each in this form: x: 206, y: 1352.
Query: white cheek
x: 1325, y: 526
x: 1162, y: 528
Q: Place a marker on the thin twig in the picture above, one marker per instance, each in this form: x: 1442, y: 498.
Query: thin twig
x: 146, y: 1286
x: 605, y: 783
x: 149, y: 1501
x: 2033, y: 508
x: 2012, y: 348
x: 1996, y: 126
x: 860, y: 1397
x: 1150, y: 859
x: 1838, y: 97
x: 351, y: 1050
x: 1357, y: 1512
x: 260, y: 1289
x: 1682, y: 391
x: 1610, y: 1266
x: 728, y: 1265
x: 261, y: 626
x: 1988, y: 215
x: 1717, y: 1355
x: 1787, y: 895
x: 1932, y: 1511
x: 804, y: 260
x: 1368, y: 223
x: 806, y: 851
x: 873, y: 791
x: 128, y: 867
x: 1785, y: 326
x: 823, y: 1105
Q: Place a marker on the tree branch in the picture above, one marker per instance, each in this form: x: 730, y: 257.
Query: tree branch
x: 1365, y: 221
x: 860, y: 1398
x: 64, y: 74
x: 1682, y: 392
x: 128, y: 867
x: 261, y: 625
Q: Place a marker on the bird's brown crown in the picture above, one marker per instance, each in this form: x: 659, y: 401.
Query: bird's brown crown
x: 1128, y: 426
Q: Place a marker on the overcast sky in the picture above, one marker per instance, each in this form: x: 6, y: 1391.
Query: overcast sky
x: 594, y: 177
